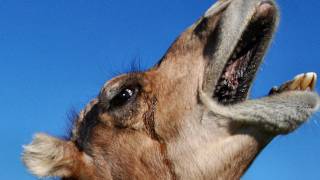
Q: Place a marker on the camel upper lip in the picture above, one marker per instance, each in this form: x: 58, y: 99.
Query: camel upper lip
x: 241, y: 67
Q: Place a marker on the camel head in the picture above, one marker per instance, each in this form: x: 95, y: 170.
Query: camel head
x: 189, y: 116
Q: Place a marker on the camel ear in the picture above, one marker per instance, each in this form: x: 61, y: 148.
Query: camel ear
x: 48, y: 156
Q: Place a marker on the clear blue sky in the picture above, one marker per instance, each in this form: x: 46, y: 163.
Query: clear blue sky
x: 55, y: 56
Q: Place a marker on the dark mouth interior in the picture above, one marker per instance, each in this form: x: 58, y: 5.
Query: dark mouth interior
x: 239, y: 72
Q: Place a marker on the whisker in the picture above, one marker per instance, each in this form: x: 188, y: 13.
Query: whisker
x: 315, y: 119
x: 317, y: 116
x: 316, y: 123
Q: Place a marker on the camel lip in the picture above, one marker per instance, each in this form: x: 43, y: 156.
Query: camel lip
x: 240, y: 69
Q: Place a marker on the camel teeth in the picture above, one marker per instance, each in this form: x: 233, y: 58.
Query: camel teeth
x: 314, y: 81
x: 295, y: 85
x: 305, y: 81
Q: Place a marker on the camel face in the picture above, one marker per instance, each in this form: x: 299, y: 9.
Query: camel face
x: 189, y: 116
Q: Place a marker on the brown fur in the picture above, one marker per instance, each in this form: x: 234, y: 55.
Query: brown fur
x: 171, y: 128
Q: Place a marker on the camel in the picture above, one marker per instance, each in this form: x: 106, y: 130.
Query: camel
x: 189, y: 116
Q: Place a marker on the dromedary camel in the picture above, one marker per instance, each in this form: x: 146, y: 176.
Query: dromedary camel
x: 188, y: 117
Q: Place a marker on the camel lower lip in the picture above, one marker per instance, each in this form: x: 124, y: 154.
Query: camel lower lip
x: 240, y: 69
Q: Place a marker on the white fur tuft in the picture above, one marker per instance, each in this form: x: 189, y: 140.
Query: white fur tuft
x: 45, y: 156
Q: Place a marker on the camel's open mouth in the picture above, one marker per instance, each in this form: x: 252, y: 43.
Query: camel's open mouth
x: 240, y: 69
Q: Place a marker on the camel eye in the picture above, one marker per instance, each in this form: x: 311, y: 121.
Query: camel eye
x: 123, y: 97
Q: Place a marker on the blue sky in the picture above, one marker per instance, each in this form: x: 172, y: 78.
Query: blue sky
x: 55, y: 56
